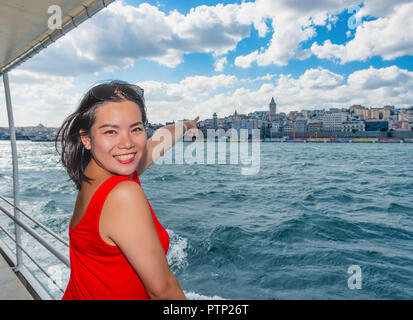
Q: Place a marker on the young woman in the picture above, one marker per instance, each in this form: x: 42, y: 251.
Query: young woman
x: 117, y: 246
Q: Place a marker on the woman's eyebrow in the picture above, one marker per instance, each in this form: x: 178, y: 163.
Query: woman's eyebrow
x: 116, y: 126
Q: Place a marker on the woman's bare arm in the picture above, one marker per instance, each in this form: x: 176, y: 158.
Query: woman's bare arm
x: 173, y: 131
x: 132, y: 228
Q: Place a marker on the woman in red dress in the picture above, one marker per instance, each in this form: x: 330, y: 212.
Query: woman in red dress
x: 117, y: 246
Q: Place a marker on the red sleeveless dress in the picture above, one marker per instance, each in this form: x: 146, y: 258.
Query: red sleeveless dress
x: 100, y: 271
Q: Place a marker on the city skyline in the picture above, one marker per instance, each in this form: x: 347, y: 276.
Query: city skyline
x: 307, y: 57
x: 328, y: 109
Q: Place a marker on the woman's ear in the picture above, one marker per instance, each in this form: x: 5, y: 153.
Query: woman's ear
x: 85, y: 139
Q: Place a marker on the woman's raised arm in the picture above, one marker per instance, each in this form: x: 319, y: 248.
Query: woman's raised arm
x: 149, y: 156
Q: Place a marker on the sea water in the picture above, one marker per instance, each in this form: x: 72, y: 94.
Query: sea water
x: 297, y: 229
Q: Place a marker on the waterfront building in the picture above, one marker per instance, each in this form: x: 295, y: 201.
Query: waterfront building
x: 379, y: 113
x: 334, y: 121
x: 405, y: 115
x: 288, y: 127
x: 394, y: 117
x: 356, y: 125
x: 295, y: 114
x: 300, y: 125
x: 209, y: 123
x: 276, y: 126
x: 363, y: 113
x: 248, y: 124
x: 261, y: 115
x: 400, y: 125
x: 281, y: 116
x: 337, y: 110
x: 226, y: 122
x: 314, y: 126
x: 215, y: 121
x: 316, y: 114
x: 392, y: 108
x: 376, y: 125
x: 359, y: 112
x: 306, y: 113
x: 273, y: 133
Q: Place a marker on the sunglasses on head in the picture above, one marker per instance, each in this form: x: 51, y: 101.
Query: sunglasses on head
x: 106, y: 91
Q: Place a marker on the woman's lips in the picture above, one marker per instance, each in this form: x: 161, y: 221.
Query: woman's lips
x: 125, y: 158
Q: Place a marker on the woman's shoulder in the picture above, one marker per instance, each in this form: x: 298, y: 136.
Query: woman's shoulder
x: 126, y: 187
x: 110, y: 181
x: 126, y: 193
x: 125, y: 205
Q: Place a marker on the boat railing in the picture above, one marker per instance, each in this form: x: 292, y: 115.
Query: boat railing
x: 33, y: 284
x: 17, y: 52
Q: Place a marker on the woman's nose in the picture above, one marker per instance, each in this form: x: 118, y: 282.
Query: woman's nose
x: 125, y: 141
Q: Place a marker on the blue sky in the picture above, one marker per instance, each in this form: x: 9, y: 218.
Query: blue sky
x: 200, y: 57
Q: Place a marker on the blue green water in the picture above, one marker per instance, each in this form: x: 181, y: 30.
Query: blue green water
x: 289, y: 232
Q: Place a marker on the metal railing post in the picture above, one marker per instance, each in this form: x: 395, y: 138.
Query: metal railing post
x: 12, y: 133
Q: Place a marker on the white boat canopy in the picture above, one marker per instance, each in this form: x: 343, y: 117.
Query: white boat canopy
x: 24, y: 27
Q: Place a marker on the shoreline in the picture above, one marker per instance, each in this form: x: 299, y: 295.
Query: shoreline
x: 281, y: 140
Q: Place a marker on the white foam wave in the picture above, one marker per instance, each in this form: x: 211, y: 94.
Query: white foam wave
x: 177, y: 256
x: 177, y: 259
x: 190, y: 295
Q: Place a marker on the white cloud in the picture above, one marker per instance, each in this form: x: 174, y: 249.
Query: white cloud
x: 173, y: 101
x: 370, y: 79
x: 246, y: 61
x: 389, y: 37
x: 293, y: 23
x: 122, y: 34
x: 267, y: 77
x: 368, y: 87
x: 320, y: 78
x: 379, y: 8
x: 38, y: 98
x: 220, y: 63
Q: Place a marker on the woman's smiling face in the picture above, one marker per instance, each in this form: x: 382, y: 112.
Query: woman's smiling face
x: 118, y: 137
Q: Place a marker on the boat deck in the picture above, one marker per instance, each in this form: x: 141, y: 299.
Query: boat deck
x: 11, y: 287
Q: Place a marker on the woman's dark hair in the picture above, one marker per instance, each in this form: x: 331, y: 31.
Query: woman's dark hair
x: 75, y: 157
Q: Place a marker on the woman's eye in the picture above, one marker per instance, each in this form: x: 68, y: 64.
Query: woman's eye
x: 137, y: 129
x: 110, y: 132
